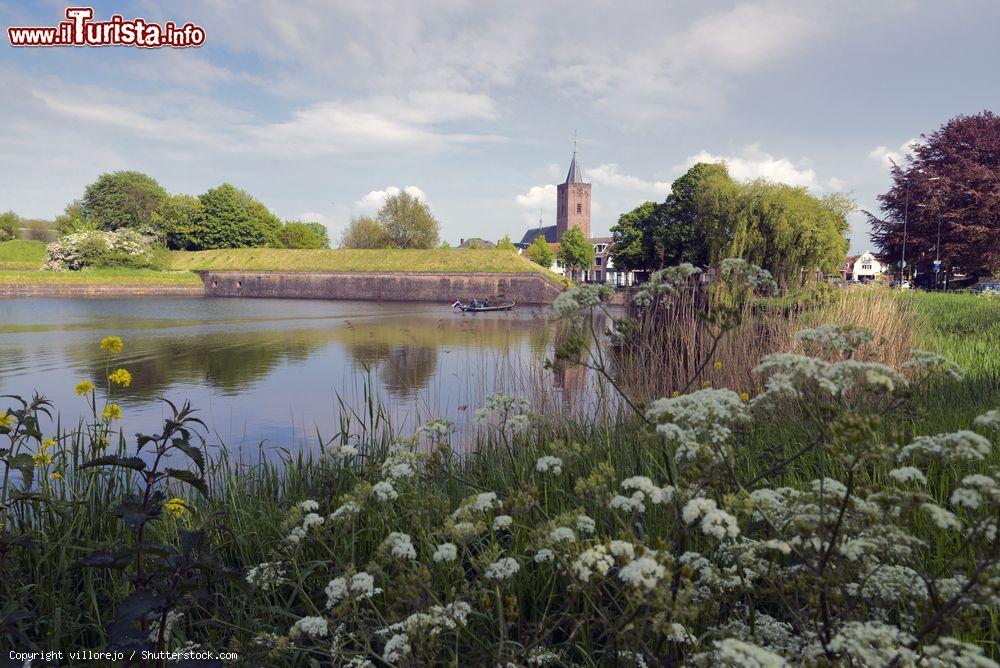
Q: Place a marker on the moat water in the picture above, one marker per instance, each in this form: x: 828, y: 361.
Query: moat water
x: 273, y: 371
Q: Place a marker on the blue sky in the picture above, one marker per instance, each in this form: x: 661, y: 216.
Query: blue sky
x: 318, y: 108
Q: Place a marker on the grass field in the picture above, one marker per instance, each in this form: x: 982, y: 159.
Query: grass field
x: 99, y: 277
x: 432, y: 260
x: 22, y: 254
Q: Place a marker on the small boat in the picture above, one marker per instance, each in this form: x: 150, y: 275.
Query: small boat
x: 500, y: 305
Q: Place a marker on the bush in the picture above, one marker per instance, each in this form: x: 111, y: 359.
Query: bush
x: 95, y: 249
x: 123, y: 199
x: 9, y: 222
x: 295, y: 234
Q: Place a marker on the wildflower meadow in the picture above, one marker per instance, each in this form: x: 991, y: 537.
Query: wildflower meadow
x: 833, y: 503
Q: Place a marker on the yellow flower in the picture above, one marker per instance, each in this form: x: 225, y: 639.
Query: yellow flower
x: 706, y: 383
x: 6, y: 420
x: 85, y: 387
x: 55, y: 475
x: 745, y: 397
x: 41, y: 459
x: 121, y: 376
x: 112, y: 412
x: 676, y: 393
x: 112, y: 344
x: 47, y: 443
x: 175, y: 506
x: 717, y: 365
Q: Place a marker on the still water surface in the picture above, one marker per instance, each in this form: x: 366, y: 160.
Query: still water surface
x: 269, y: 370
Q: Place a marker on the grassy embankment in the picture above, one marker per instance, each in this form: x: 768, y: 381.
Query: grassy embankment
x: 20, y: 262
x: 258, y: 505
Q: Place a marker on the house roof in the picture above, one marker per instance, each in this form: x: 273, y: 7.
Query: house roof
x: 548, y: 233
x: 482, y: 243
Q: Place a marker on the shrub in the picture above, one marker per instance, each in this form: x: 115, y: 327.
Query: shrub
x: 122, y: 199
x: 295, y: 234
x: 95, y: 249
x: 234, y: 219
x: 9, y: 222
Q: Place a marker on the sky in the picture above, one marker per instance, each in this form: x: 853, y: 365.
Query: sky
x: 319, y: 108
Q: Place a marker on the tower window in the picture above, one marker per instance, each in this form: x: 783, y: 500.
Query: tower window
x: 579, y: 207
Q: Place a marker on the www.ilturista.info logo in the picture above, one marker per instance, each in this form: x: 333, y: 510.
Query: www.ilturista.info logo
x: 80, y: 30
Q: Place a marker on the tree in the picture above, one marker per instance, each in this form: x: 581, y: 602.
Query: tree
x: 540, y: 252
x: 296, y: 234
x: 321, y: 231
x: 180, y: 220
x: 575, y: 252
x: 697, y: 216
x: 363, y: 232
x: 408, y: 222
x: 122, y: 199
x: 71, y: 219
x: 234, y: 219
x: 952, y: 178
x: 506, y: 244
x: 632, y: 238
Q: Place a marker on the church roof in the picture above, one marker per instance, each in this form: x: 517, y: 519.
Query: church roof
x: 574, y: 175
x: 548, y: 233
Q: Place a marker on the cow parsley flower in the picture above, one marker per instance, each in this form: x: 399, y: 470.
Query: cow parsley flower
x: 965, y: 497
x: 312, y: 627
x: 989, y: 420
x: 544, y: 554
x: 336, y: 591
x: 907, y: 474
x: 549, y: 464
x: 445, y: 552
x: 400, y: 545
x: 349, y: 509
x: 312, y: 520
x: 922, y: 359
x: 643, y: 572
x: 958, y: 446
x: 629, y: 504
x: 502, y: 569
x: 742, y: 654
x: 706, y: 416
x: 267, y: 576
x: 384, y: 491
x: 562, y: 535
x: 944, y: 519
x: 501, y: 522
x: 715, y: 522
x: 840, y: 338
x: 585, y: 524
x: 309, y: 506
x: 622, y: 549
x: 873, y: 644
x: 396, y: 648
x: 592, y: 560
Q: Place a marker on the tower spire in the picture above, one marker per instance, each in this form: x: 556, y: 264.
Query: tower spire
x: 574, y: 175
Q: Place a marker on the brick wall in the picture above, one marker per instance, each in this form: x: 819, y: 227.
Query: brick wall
x: 523, y: 288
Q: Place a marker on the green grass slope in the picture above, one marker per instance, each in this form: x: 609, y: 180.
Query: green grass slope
x: 22, y: 254
x: 432, y: 260
x: 99, y: 277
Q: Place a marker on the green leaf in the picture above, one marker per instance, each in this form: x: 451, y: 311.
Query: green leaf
x: 103, y: 559
x: 195, y: 454
x: 134, y: 463
x: 124, y: 629
x: 190, y: 478
x: 134, y: 514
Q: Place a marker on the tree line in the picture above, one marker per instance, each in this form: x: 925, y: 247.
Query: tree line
x: 222, y: 217
x: 709, y: 216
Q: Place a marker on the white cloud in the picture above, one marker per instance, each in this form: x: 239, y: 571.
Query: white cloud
x: 414, y: 121
x: 312, y: 217
x: 609, y: 174
x: 538, y: 201
x: 887, y: 157
x: 371, y: 201
x: 753, y: 163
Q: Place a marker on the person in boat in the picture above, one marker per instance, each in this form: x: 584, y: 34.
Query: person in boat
x: 474, y: 303
x: 486, y: 304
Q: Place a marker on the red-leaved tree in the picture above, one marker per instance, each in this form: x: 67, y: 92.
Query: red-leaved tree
x: 951, y: 177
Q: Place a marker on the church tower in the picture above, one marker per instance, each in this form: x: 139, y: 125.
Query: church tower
x: 573, y: 201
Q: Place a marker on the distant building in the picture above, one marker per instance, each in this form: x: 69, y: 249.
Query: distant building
x: 481, y: 243
x: 573, y: 210
x: 862, y: 268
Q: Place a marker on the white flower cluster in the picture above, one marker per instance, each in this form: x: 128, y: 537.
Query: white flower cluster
x: 549, y: 464
x: 742, y: 654
x: 502, y: 522
x: 789, y: 377
x: 384, y: 491
x: 360, y: 586
x: 431, y: 623
x: 593, y: 560
x: 581, y: 299
x: 700, y: 423
x: 445, y: 552
x: 310, y: 627
x: 833, y: 338
x: 510, y: 412
x: 906, y: 474
x: 990, y: 420
x: 436, y: 430
x: 298, y: 533
x: 475, y: 506
x: 747, y: 275
x: 873, y: 644
x: 956, y: 446
x: 502, y: 569
x: 642, y: 573
x: 562, y: 535
x: 400, y: 545
x: 933, y: 363
x: 340, y: 452
x: 715, y: 522
x: 665, y: 282
x: 348, y: 510
x: 643, y: 489
x: 267, y: 576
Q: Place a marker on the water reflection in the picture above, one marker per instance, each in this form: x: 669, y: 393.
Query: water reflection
x: 265, y: 369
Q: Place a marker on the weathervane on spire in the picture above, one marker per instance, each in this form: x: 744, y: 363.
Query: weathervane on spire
x: 574, y: 140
